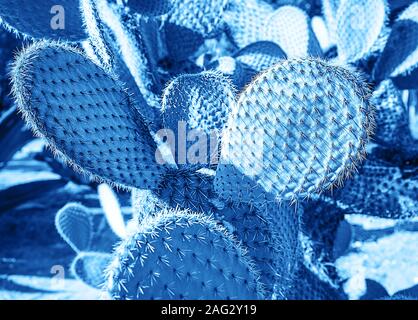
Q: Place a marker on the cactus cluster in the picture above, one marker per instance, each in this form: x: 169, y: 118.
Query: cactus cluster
x: 260, y: 222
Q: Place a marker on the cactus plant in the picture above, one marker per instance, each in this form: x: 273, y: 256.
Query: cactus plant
x: 380, y: 190
x: 359, y: 27
x: 295, y: 110
x: 64, y: 75
x: 300, y: 127
x: 73, y: 223
x: 391, y: 115
x: 260, y: 55
x: 243, y: 21
x: 271, y: 236
x: 290, y: 27
x: 178, y: 254
x: 194, y: 108
x: 204, y: 17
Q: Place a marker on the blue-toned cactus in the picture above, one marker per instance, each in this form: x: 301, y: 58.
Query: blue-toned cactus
x: 271, y: 236
x: 260, y: 56
x: 329, y: 11
x: 391, y: 115
x: 290, y: 27
x: 195, y: 109
x: 96, y: 30
x: 253, y: 59
x: 304, y: 124
x: 74, y: 224
x: 130, y: 42
x: 182, y: 255
x: 187, y: 189
x: 381, y: 190
x: 54, y: 86
x: 247, y: 62
x: 243, y: 21
x: 204, y: 17
x: 43, y: 19
x: 145, y: 203
x: 299, y: 127
x: 358, y: 27
x: 90, y: 267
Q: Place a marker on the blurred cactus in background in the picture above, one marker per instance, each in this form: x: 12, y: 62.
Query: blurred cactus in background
x: 246, y: 137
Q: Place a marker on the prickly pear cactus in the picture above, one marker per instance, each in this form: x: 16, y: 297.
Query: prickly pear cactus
x: 313, y: 120
x: 53, y: 84
x: 290, y: 27
x: 358, y: 27
x: 178, y: 254
x: 195, y: 108
x: 282, y: 131
x: 75, y: 226
x: 400, y: 55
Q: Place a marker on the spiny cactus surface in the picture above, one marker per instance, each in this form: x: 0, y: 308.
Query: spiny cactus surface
x: 184, y: 256
x: 391, y: 114
x: 290, y: 28
x: 195, y: 108
x: 243, y: 20
x: 205, y: 17
x: 84, y: 114
x: 299, y: 128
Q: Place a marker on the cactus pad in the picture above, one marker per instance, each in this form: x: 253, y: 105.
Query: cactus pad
x: 304, y: 124
x: 380, y: 190
x: 271, y: 236
x: 391, y: 114
x: 204, y: 17
x: 181, y: 255
x: 199, y: 104
x: 85, y: 115
x: 358, y: 27
x: 290, y: 27
x: 244, y: 23
x: 74, y: 224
